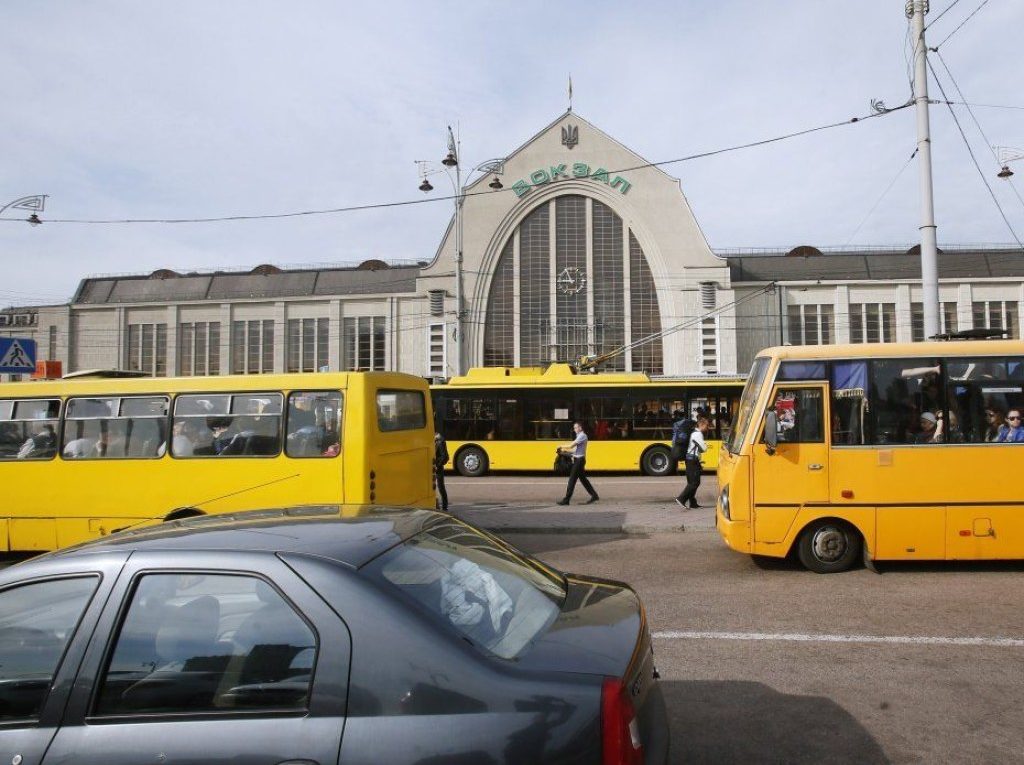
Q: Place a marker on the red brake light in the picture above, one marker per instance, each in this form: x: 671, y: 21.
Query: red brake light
x: 620, y: 733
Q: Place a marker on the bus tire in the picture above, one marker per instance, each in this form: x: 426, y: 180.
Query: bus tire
x: 472, y: 462
x: 828, y: 546
x: 183, y: 512
x: 656, y: 461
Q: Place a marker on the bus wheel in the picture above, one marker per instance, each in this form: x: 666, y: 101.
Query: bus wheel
x: 183, y: 512
x: 656, y: 461
x: 829, y: 546
x: 471, y: 462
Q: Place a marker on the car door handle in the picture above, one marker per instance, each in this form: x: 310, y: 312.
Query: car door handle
x: 815, y: 466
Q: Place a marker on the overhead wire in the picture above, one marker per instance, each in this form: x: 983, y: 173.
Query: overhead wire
x: 960, y: 25
x: 879, y: 200
x: 453, y: 197
x: 977, y: 124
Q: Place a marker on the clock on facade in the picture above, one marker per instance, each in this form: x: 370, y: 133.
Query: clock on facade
x: 572, y: 280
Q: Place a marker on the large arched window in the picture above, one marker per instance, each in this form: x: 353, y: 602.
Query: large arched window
x: 566, y: 282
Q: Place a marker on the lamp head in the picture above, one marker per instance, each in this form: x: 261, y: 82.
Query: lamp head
x: 496, y: 184
x: 1006, y: 172
x: 450, y: 160
x: 34, y: 220
x: 425, y: 186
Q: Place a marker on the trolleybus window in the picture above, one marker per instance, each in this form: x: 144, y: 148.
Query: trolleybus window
x: 112, y: 427
x: 28, y: 429
x: 314, y: 424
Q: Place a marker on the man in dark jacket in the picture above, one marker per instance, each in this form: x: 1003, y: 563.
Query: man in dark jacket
x: 440, y: 460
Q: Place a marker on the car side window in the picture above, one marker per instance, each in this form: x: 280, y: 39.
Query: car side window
x: 37, y: 621
x: 200, y: 643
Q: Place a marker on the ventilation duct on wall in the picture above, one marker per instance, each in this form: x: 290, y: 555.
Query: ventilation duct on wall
x: 437, y: 302
x: 707, y: 295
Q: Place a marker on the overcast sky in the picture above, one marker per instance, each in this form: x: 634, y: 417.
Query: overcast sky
x: 199, y: 109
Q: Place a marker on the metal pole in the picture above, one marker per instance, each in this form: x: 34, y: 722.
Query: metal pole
x: 916, y: 9
x: 458, y: 264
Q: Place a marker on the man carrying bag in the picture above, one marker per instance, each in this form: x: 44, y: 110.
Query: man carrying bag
x: 694, y: 450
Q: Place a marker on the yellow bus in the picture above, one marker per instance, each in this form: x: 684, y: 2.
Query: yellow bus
x: 504, y: 418
x: 893, y: 451
x: 82, y: 458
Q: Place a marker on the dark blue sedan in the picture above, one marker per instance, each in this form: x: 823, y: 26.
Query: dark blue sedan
x: 319, y: 635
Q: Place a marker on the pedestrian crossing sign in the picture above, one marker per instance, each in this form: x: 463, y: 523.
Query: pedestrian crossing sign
x: 17, y: 355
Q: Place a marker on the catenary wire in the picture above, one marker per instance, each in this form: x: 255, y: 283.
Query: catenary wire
x: 452, y: 197
x: 880, y: 198
x: 973, y: 158
x: 971, y: 16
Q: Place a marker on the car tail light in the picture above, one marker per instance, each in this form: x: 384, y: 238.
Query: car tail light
x: 620, y: 732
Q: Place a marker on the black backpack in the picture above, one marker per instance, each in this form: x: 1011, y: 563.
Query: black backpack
x: 681, y: 437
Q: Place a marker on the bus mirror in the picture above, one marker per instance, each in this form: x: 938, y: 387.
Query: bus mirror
x: 771, y: 431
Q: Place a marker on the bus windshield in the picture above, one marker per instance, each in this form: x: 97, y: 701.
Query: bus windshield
x: 753, y: 387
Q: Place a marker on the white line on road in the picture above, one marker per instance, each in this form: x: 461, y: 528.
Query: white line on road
x: 810, y: 638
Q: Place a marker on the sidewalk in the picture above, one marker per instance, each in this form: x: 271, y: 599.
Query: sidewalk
x: 608, y: 516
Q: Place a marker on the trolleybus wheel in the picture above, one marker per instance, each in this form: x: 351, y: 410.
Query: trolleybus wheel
x: 471, y: 462
x: 828, y: 546
x: 656, y: 461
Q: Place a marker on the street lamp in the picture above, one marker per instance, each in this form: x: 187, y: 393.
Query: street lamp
x: 1005, y: 155
x: 36, y: 203
x: 452, y: 162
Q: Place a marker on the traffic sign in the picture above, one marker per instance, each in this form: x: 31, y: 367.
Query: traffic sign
x: 17, y: 355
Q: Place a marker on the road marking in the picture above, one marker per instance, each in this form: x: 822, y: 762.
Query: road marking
x: 791, y: 637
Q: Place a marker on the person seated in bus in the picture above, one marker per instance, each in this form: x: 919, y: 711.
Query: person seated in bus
x: 40, y: 445
x: 222, y: 432
x: 931, y: 429
x: 184, y: 438
x: 1013, y: 431
x: 995, y: 416
x: 90, y: 448
x: 601, y: 430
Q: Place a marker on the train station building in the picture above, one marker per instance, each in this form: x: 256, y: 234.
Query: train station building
x: 584, y: 250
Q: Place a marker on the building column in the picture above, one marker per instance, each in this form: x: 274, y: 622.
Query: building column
x: 589, y: 223
x: 226, y: 326
x: 280, y: 336
x: 904, y: 331
x: 964, y: 309
x: 334, y: 330
x: 841, y: 328
x: 173, y: 328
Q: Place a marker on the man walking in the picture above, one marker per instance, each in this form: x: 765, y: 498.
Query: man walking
x: 578, y: 451
x: 696, y: 448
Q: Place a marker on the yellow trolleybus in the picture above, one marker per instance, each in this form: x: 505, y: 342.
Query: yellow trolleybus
x: 896, y: 451
x: 503, y: 418
x: 81, y: 458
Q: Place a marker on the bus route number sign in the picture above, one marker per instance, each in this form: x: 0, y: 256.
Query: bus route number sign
x: 17, y: 355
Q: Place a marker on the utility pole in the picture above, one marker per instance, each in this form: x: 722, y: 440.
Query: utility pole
x: 915, y: 10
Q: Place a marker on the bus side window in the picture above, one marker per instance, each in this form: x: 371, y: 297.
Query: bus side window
x: 113, y: 427
x: 314, y: 424
x: 980, y: 402
x: 799, y: 414
x: 28, y: 429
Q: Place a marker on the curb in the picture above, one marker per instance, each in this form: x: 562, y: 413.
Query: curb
x: 629, y: 530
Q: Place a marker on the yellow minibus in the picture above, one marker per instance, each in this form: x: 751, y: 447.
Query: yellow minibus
x: 82, y: 458
x: 505, y: 418
x: 890, y: 451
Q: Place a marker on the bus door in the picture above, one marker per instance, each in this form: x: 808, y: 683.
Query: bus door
x: 793, y: 472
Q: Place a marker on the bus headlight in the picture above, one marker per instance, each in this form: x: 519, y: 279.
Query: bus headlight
x: 723, y: 502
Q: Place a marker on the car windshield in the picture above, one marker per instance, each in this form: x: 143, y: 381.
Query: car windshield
x: 486, y: 592
x: 750, y: 393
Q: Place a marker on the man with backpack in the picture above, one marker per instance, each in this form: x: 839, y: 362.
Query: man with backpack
x: 696, y: 447
x: 682, y: 427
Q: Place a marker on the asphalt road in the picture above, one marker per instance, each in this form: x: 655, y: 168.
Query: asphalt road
x: 917, y: 664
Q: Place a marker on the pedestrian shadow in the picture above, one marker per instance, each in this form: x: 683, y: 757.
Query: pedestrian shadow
x: 738, y: 721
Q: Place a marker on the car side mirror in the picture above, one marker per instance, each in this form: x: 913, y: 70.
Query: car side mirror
x: 771, y: 431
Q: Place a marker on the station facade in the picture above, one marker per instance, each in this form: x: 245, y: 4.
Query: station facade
x: 586, y: 249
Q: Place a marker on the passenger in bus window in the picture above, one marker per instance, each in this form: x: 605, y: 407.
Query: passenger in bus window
x: 994, y: 417
x: 40, y: 445
x: 1012, y: 432
x: 931, y: 429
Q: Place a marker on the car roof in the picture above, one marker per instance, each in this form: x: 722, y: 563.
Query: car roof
x: 349, y: 534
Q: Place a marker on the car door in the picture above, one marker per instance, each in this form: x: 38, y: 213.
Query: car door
x: 46, y: 617
x: 204, y: 658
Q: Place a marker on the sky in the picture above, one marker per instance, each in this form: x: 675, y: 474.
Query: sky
x: 129, y: 110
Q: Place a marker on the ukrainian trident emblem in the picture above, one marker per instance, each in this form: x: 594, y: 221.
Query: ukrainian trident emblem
x: 570, y: 136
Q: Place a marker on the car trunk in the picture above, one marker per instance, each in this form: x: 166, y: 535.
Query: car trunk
x: 602, y: 630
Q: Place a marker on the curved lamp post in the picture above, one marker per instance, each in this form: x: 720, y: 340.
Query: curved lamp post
x: 36, y: 203
x: 451, y: 166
